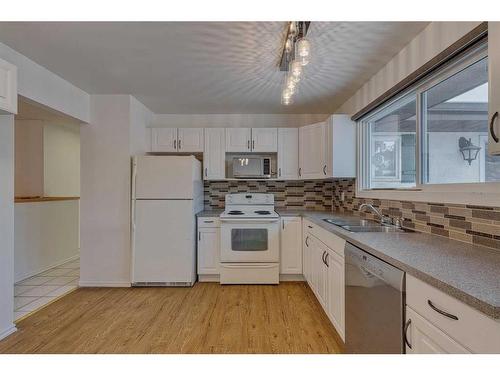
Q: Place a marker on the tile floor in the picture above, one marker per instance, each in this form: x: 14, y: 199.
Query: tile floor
x: 37, y: 291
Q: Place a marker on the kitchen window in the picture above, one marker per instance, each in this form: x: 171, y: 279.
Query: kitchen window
x: 432, y: 138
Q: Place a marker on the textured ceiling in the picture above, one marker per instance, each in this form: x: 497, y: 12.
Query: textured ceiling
x: 210, y: 67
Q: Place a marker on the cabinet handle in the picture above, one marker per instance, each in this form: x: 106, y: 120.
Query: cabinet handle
x: 405, y: 337
x: 324, y: 170
x: 179, y: 144
x: 300, y: 172
x: 208, y: 221
x: 283, y: 223
x: 248, y: 144
x: 206, y: 172
x: 253, y: 144
x: 279, y: 172
x: 326, y: 260
x: 492, y: 130
x: 323, y: 257
x: 307, y: 243
x: 199, y: 236
x: 310, y: 226
x: 175, y: 144
x: 448, y: 315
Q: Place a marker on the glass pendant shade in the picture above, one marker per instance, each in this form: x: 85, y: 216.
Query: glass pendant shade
x: 295, y: 70
x: 288, y: 45
x: 303, y: 51
x: 291, y: 84
x: 294, y: 30
x: 286, y: 97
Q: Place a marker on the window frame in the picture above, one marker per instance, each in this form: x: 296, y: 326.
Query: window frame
x: 479, y: 193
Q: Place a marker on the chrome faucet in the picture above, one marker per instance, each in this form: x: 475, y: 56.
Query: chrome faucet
x: 383, y: 219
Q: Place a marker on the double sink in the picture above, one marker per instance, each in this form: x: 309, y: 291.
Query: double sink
x: 364, y: 225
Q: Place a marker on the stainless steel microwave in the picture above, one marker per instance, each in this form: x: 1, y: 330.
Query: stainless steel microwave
x: 251, y: 167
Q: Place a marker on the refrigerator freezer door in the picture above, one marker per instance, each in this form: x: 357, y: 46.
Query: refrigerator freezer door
x: 166, y: 177
x: 164, y: 244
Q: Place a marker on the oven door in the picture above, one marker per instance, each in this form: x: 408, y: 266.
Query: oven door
x: 250, y: 240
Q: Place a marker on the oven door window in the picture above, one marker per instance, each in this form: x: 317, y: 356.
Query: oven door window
x: 249, y: 239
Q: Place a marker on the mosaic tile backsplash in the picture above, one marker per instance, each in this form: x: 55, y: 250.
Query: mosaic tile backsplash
x: 311, y: 195
x: 473, y: 224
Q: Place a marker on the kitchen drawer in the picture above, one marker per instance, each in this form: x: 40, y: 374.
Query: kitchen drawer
x: 474, y: 330
x: 208, y: 222
x: 331, y: 240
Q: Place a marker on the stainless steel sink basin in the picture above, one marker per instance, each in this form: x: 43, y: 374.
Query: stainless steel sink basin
x: 363, y: 225
x: 372, y: 228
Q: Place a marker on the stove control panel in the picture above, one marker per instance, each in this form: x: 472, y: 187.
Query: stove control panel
x: 249, y: 199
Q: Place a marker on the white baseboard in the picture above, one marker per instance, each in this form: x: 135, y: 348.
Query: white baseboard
x: 55, y: 264
x: 286, y: 277
x: 104, y: 284
x: 208, y: 278
x: 7, y: 332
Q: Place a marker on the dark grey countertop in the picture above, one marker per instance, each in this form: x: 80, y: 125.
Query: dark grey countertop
x: 210, y: 213
x: 468, y: 272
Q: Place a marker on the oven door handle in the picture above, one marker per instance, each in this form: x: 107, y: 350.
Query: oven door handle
x: 243, y: 265
x: 249, y: 221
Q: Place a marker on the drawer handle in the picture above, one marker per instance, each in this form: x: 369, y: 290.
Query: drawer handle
x: 310, y: 227
x: 208, y: 221
x: 448, y: 315
x: 405, y: 337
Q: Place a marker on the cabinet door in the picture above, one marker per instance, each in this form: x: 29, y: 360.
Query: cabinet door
x: 312, y: 156
x: 494, y: 87
x: 8, y: 87
x: 335, y: 291
x: 320, y: 272
x: 214, y: 155
x: 307, y: 256
x: 425, y: 338
x: 164, y: 140
x: 238, y: 140
x: 190, y: 140
x: 208, y: 251
x: 340, y: 146
x: 264, y: 140
x: 288, y: 153
x: 291, y: 246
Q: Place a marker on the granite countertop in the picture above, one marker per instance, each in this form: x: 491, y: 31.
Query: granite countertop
x: 467, y: 272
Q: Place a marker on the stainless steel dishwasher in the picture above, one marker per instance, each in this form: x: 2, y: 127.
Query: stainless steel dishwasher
x: 374, y: 299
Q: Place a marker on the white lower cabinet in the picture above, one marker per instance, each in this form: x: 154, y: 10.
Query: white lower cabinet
x: 335, y: 291
x: 208, y: 249
x: 291, y: 246
x: 422, y: 337
x: 324, y: 271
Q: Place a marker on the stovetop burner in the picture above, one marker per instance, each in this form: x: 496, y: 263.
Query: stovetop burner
x: 261, y: 212
x: 235, y: 212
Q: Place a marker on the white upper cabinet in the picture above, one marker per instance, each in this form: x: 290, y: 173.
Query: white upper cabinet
x: 288, y: 153
x: 264, y: 140
x: 238, y: 139
x: 340, y: 146
x: 8, y: 87
x: 291, y: 246
x: 214, y: 167
x: 312, y: 155
x: 494, y: 87
x: 177, y: 139
x: 190, y: 139
x: 164, y: 140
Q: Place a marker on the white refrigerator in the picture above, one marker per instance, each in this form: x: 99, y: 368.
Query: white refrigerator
x: 167, y: 193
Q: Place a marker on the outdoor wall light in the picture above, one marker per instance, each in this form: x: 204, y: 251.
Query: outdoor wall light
x: 468, y: 150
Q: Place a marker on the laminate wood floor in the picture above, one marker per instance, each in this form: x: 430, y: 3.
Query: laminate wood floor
x: 207, y: 318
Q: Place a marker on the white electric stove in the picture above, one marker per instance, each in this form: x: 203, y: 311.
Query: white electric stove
x: 249, y: 240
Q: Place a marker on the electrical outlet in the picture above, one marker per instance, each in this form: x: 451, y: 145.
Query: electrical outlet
x: 342, y: 196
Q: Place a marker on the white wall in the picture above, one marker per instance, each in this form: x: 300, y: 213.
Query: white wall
x: 6, y: 225
x: 46, y: 235
x: 106, y: 150
x: 28, y: 158
x: 427, y: 44
x: 236, y: 120
x: 61, y: 158
x: 42, y: 86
